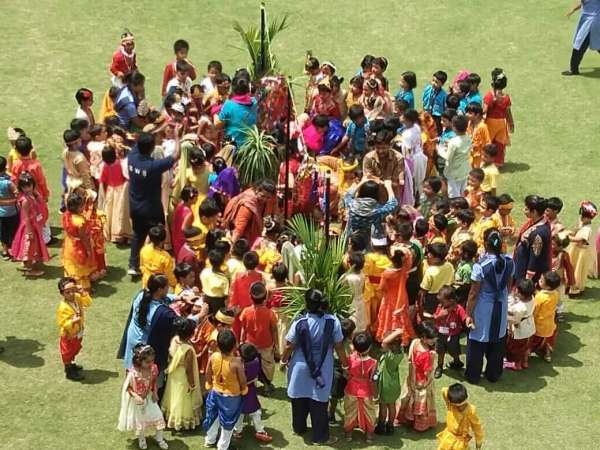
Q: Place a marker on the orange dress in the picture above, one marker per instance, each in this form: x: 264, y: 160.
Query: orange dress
x: 481, y: 137
x: 393, y: 312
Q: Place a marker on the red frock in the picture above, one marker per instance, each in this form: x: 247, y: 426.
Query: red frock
x: 30, y: 247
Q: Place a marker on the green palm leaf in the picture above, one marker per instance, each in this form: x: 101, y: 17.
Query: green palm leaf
x: 257, y: 157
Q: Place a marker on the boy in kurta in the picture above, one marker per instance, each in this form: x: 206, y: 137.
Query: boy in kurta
x: 478, y: 131
x: 461, y: 419
x: 70, y: 319
x: 544, y: 312
x: 155, y: 259
x: 226, y: 384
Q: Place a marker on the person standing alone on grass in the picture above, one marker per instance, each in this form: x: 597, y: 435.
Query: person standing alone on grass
x: 145, y: 207
x: 587, y: 34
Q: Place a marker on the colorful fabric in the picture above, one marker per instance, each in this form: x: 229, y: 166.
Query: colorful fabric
x: 361, y: 370
x: 257, y: 322
x: 181, y: 402
x: 29, y: 246
x: 388, y: 382
x: 224, y: 379
x: 78, y: 261
x: 359, y: 413
x: 417, y: 400
x: 226, y: 409
x: 69, y: 348
x: 459, y: 424
x: 544, y: 312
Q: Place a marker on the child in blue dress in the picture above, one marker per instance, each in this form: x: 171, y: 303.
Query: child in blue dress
x: 434, y: 98
x: 408, y: 82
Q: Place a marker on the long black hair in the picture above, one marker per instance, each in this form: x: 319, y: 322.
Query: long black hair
x: 493, y: 245
x: 155, y: 282
x: 316, y: 302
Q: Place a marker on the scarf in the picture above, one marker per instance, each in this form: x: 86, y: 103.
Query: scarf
x: 306, y: 346
x: 244, y: 99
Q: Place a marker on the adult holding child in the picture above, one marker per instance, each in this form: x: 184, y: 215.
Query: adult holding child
x: 309, y: 356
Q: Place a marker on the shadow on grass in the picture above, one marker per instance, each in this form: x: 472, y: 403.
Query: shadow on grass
x: 115, y: 273
x: 103, y: 289
x: 97, y: 376
x: 21, y: 353
x: 590, y: 294
x: 513, y: 167
x: 594, y: 73
x: 52, y: 272
x: 174, y: 444
x: 279, y: 393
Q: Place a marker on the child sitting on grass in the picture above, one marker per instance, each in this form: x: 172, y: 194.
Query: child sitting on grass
x: 461, y: 420
x: 360, y: 404
x: 449, y: 319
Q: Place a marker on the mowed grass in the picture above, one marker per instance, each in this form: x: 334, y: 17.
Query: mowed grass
x: 51, y: 48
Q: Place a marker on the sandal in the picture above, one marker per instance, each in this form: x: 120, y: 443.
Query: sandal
x: 24, y: 269
x: 34, y: 273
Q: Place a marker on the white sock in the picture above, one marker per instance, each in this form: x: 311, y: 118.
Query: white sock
x: 159, y: 436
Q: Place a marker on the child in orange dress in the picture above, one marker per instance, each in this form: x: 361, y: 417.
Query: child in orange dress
x: 478, y: 131
x: 474, y: 194
x: 508, y: 227
x: 498, y: 114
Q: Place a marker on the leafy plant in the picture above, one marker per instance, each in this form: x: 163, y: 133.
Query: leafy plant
x: 251, y: 40
x: 320, y: 262
x: 257, y: 158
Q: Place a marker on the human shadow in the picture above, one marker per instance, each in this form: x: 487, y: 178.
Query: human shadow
x: 115, y: 274
x: 590, y: 294
x: 567, y: 344
x: 97, y: 376
x: 594, y: 73
x: 571, y: 317
x: 101, y: 289
x: 279, y: 393
x: 174, y: 444
x: 513, y: 167
x: 21, y: 353
x: 51, y: 273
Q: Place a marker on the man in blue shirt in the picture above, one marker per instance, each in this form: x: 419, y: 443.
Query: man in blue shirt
x: 126, y: 101
x: 145, y: 179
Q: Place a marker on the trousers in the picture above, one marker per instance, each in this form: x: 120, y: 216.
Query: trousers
x: 301, y: 408
x: 494, y: 355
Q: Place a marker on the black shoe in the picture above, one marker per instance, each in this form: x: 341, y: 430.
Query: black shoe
x: 380, y: 428
x: 569, y: 73
x: 456, y: 365
x: 72, y: 374
x: 438, y: 372
x: 77, y: 367
x: 389, y: 428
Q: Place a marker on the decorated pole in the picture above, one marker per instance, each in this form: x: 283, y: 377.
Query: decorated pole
x: 287, y: 151
x: 263, y: 21
x: 327, y: 205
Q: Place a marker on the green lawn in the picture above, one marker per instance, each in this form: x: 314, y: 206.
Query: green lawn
x: 51, y: 48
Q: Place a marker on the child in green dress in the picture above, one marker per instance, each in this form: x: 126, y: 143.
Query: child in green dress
x: 388, y: 381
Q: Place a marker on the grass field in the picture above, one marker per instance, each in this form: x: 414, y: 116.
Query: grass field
x: 53, y: 47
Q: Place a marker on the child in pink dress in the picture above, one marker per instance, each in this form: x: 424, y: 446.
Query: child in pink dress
x: 28, y: 244
x: 183, y: 217
x: 360, y: 403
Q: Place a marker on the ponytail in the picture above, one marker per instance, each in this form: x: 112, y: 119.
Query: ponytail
x: 155, y: 282
x: 493, y: 245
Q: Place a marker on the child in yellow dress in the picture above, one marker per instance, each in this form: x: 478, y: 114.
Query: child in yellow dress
x: 375, y: 264
x: 70, y: 319
x: 504, y: 215
x: 582, y: 249
x: 266, y: 247
x: 182, y: 400
x: 487, y: 220
x: 155, y: 259
x: 461, y: 420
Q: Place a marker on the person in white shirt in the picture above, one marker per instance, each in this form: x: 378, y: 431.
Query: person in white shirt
x: 214, y: 69
x: 181, y: 79
x: 456, y: 154
x: 521, y: 325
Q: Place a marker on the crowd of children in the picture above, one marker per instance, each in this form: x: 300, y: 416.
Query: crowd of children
x: 419, y: 190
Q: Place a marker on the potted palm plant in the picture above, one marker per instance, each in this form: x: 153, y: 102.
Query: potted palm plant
x: 320, y: 261
x: 257, y: 158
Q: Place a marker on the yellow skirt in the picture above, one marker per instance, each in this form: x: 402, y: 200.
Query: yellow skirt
x: 449, y: 441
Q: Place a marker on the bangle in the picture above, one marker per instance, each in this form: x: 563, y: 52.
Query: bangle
x: 345, y: 367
